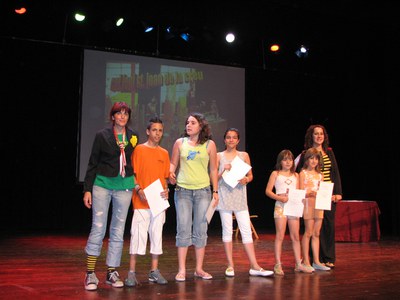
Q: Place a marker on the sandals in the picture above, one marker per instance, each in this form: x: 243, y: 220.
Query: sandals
x: 230, y: 272
x: 203, y: 275
x: 180, y: 277
x: 278, y: 270
x: 330, y: 265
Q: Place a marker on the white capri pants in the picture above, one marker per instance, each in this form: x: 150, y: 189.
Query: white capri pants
x: 243, y: 220
x: 143, y: 223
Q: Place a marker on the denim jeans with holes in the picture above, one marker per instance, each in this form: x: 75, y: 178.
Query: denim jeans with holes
x: 101, y: 199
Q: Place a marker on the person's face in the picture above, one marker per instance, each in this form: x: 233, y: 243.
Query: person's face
x: 313, y: 162
x: 121, y: 118
x: 286, y: 163
x: 318, y: 136
x: 231, y: 139
x: 155, y: 132
x: 192, y: 126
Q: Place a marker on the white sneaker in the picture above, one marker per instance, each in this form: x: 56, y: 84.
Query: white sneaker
x: 91, y: 282
x: 320, y: 267
x: 260, y: 272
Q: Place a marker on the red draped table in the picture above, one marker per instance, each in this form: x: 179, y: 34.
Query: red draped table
x: 357, y: 221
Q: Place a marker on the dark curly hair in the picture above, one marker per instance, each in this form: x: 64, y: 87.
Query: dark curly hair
x: 205, y: 131
x: 308, y: 138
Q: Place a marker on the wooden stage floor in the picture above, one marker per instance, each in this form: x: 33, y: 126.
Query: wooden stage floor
x: 52, y: 266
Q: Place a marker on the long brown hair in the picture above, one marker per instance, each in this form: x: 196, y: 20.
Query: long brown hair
x: 281, y: 156
x: 308, y: 138
x: 310, y: 153
x: 205, y: 131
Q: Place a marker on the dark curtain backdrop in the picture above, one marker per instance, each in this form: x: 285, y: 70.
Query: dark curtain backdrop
x: 40, y: 93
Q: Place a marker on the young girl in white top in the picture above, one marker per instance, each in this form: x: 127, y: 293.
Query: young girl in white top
x: 310, y: 176
x: 280, y: 180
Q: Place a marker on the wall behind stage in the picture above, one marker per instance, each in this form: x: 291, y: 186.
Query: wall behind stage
x: 41, y: 106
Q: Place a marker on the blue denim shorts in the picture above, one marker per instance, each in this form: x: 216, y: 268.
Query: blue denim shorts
x: 191, y: 223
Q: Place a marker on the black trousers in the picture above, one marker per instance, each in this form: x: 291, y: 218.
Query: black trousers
x: 327, y: 250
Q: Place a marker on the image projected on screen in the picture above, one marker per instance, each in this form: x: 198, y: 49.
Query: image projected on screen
x: 166, y: 88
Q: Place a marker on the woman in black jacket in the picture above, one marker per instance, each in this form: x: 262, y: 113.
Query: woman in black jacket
x: 109, y: 179
x: 317, y: 137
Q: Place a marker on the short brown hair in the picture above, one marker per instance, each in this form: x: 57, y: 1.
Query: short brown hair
x: 120, y: 106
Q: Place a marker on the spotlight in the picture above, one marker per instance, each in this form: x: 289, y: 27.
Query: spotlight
x: 274, y: 48
x: 175, y: 32
x: 302, y: 52
x: 119, y: 22
x: 20, y: 11
x: 147, y: 28
x: 80, y: 17
x: 230, y: 37
x: 169, y: 33
x: 185, y: 36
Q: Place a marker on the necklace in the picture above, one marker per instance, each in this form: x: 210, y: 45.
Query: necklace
x: 121, y: 145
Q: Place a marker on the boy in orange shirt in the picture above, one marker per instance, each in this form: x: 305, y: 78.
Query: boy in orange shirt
x: 150, y: 162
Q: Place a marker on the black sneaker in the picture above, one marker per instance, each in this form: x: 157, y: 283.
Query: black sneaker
x: 114, y: 280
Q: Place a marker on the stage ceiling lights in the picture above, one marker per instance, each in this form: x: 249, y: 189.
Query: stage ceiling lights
x: 185, y: 36
x: 230, y: 37
x: 119, y: 22
x: 80, y: 17
x: 20, y: 10
x: 274, y: 48
x: 147, y: 27
x: 169, y: 33
x: 302, y: 52
x: 183, y: 33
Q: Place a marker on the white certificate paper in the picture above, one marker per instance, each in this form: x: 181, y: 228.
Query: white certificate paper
x: 324, y: 196
x: 157, y: 203
x: 211, y: 210
x: 238, y: 170
x: 295, y: 206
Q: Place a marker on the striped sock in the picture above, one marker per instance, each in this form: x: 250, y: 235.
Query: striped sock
x: 90, y: 263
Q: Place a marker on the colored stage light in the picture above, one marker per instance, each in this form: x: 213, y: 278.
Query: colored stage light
x: 20, y: 11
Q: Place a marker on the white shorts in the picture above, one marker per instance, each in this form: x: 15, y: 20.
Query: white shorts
x: 144, y: 224
x: 243, y: 221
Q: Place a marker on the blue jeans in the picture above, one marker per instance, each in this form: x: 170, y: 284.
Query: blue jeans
x: 191, y: 207
x: 101, y: 199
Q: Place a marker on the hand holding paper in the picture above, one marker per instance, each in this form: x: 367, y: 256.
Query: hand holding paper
x: 157, y: 203
x: 211, y: 210
x: 238, y: 170
x: 324, y: 195
x: 294, y: 206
